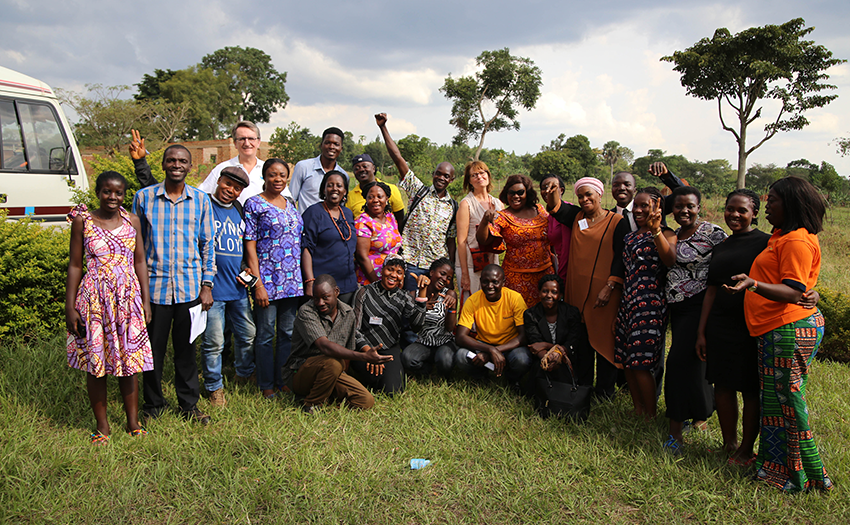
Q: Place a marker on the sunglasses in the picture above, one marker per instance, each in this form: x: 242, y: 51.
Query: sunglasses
x: 518, y: 193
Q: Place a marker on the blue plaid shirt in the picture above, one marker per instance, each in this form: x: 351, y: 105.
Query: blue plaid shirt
x: 179, y: 242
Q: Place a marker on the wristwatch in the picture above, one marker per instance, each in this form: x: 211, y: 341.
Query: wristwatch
x: 754, y: 287
x: 207, y: 283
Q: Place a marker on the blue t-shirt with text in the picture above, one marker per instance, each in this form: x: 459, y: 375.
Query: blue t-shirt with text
x: 229, y: 232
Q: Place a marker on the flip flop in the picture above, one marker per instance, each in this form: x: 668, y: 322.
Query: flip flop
x: 98, y: 439
x: 672, y: 447
x: 741, y: 462
x: 137, y: 432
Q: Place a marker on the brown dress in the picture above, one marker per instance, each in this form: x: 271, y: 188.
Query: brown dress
x: 589, y: 269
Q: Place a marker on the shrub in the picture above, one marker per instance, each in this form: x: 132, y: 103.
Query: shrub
x: 835, y: 308
x: 123, y: 165
x: 33, y: 269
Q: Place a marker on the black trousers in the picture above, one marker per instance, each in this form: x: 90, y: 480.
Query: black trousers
x: 391, y: 381
x: 584, y: 357
x: 171, y: 319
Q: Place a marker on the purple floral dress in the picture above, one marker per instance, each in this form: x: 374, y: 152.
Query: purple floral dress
x: 277, y: 232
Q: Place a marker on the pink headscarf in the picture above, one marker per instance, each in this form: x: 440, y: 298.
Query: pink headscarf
x: 594, y: 183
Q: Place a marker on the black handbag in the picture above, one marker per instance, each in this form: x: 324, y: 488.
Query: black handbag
x: 560, y: 399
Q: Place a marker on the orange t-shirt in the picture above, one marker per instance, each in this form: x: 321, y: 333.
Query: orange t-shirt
x: 795, y: 257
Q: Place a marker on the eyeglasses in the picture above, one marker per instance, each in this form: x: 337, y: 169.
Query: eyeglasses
x: 247, y: 139
x: 518, y: 193
x: 479, y: 175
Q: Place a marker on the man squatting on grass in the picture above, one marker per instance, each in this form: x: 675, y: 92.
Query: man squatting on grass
x: 322, y: 338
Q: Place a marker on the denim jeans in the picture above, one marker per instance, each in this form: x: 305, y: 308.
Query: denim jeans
x: 235, y: 315
x: 410, y: 280
x: 518, y: 361
x: 270, y: 361
x: 418, y: 358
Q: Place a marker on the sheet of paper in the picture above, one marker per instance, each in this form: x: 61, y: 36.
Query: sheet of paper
x: 199, y: 321
x: 489, y: 366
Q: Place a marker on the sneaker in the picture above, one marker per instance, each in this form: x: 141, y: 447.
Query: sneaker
x: 196, y: 416
x: 217, y: 398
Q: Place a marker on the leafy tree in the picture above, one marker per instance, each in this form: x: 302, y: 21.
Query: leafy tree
x: 105, y: 118
x: 577, y: 147
x: 293, y: 143
x: 835, y: 188
x: 559, y: 163
x: 612, y: 153
x: 253, y: 78
x: 506, y: 82
x: 770, y: 62
x: 149, y: 86
x: 759, y: 178
x: 211, y: 101
x: 843, y: 144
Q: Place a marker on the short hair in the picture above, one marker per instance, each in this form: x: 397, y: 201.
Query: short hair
x: 493, y: 267
x: 653, y: 192
x: 442, y: 261
x: 245, y: 124
x: 803, y: 205
x: 530, y: 193
x: 383, y: 186
x: 106, y: 176
x: 176, y: 146
x: 325, y: 279
x: 624, y: 173
x: 553, y: 176
x: 333, y: 131
x: 467, y: 175
x: 687, y: 190
x: 551, y: 277
x: 749, y: 194
x: 267, y: 165
x: 325, y: 183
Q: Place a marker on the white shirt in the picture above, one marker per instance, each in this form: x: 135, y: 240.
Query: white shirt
x: 631, y: 217
x: 255, y: 177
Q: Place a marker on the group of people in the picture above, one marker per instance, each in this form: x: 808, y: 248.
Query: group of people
x: 334, y: 294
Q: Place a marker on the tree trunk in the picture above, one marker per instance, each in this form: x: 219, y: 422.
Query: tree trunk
x: 742, y: 154
x: 480, y: 146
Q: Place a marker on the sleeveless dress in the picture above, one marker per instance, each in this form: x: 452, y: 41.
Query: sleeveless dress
x: 109, y: 300
x: 476, y: 213
x: 639, y: 334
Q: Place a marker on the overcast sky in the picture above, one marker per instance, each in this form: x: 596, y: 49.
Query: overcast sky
x: 346, y: 61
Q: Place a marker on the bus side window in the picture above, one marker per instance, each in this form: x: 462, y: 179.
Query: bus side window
x: 44, y: 142
x: 12, y: 156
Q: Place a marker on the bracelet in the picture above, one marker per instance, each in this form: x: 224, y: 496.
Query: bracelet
x: 451, y: 311
x: 308, y: 281
x: 754, y: 287
x: 656, y: 234
x: 421, y: 299
x: 610, y: 285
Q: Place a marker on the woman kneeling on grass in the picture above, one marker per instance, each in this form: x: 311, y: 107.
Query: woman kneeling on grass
x: 789, y: 334
x: 106, y: 316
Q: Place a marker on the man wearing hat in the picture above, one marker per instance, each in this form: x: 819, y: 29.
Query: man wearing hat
x: 230, y: 295
x: 308, y: 174
x: 364, y: 172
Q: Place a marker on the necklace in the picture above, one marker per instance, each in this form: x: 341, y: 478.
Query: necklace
x: 593, y: 220
x: 341, y: 236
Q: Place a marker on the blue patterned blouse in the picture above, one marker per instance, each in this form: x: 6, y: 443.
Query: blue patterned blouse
x: 278, y: 235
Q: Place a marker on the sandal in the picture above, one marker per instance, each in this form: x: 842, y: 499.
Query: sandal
x: 99, y: 439
x: 138, y: 432
x: 736, y: 462
x: 672, y: 447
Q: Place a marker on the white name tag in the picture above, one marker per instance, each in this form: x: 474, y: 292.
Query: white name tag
x: 375, y: 320
x: 582, y: 224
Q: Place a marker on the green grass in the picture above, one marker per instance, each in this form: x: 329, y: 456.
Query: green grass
x: 493, y: 459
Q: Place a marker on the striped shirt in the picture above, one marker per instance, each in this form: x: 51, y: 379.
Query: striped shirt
x: 433, y: 332
x: 179, y: 242
x: 381, y: 313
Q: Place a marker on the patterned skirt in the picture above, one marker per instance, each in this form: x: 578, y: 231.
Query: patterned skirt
x: 788, y: 457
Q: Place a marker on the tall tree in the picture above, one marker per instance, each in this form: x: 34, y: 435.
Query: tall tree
x: 506, y: 83
x: 612, y: 153
x: 843, y: 144
x: 259, y: 85
x: 577, y: 147
x: 105, y: 117
x: 769, y: 62
x: 212, y: 102
x: 559, y: 163
x: 293, y: 143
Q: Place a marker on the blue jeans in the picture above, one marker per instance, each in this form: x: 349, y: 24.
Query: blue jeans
x: 518, y: 362
x: 417, y: 358
x: 235, y: 315
x: 409, y: 280
x: 280, y: 313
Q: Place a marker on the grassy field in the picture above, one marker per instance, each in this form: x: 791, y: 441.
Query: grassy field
x: 493, y: 459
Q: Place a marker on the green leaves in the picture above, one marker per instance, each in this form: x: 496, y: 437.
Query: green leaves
x: 505, y: 85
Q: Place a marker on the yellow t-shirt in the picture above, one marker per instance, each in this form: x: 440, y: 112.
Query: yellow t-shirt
x: 356, y: 200
x: 495, y: 323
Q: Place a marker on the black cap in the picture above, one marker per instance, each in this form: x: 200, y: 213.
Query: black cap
x: 361, y: 158
x: 237, y: 174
